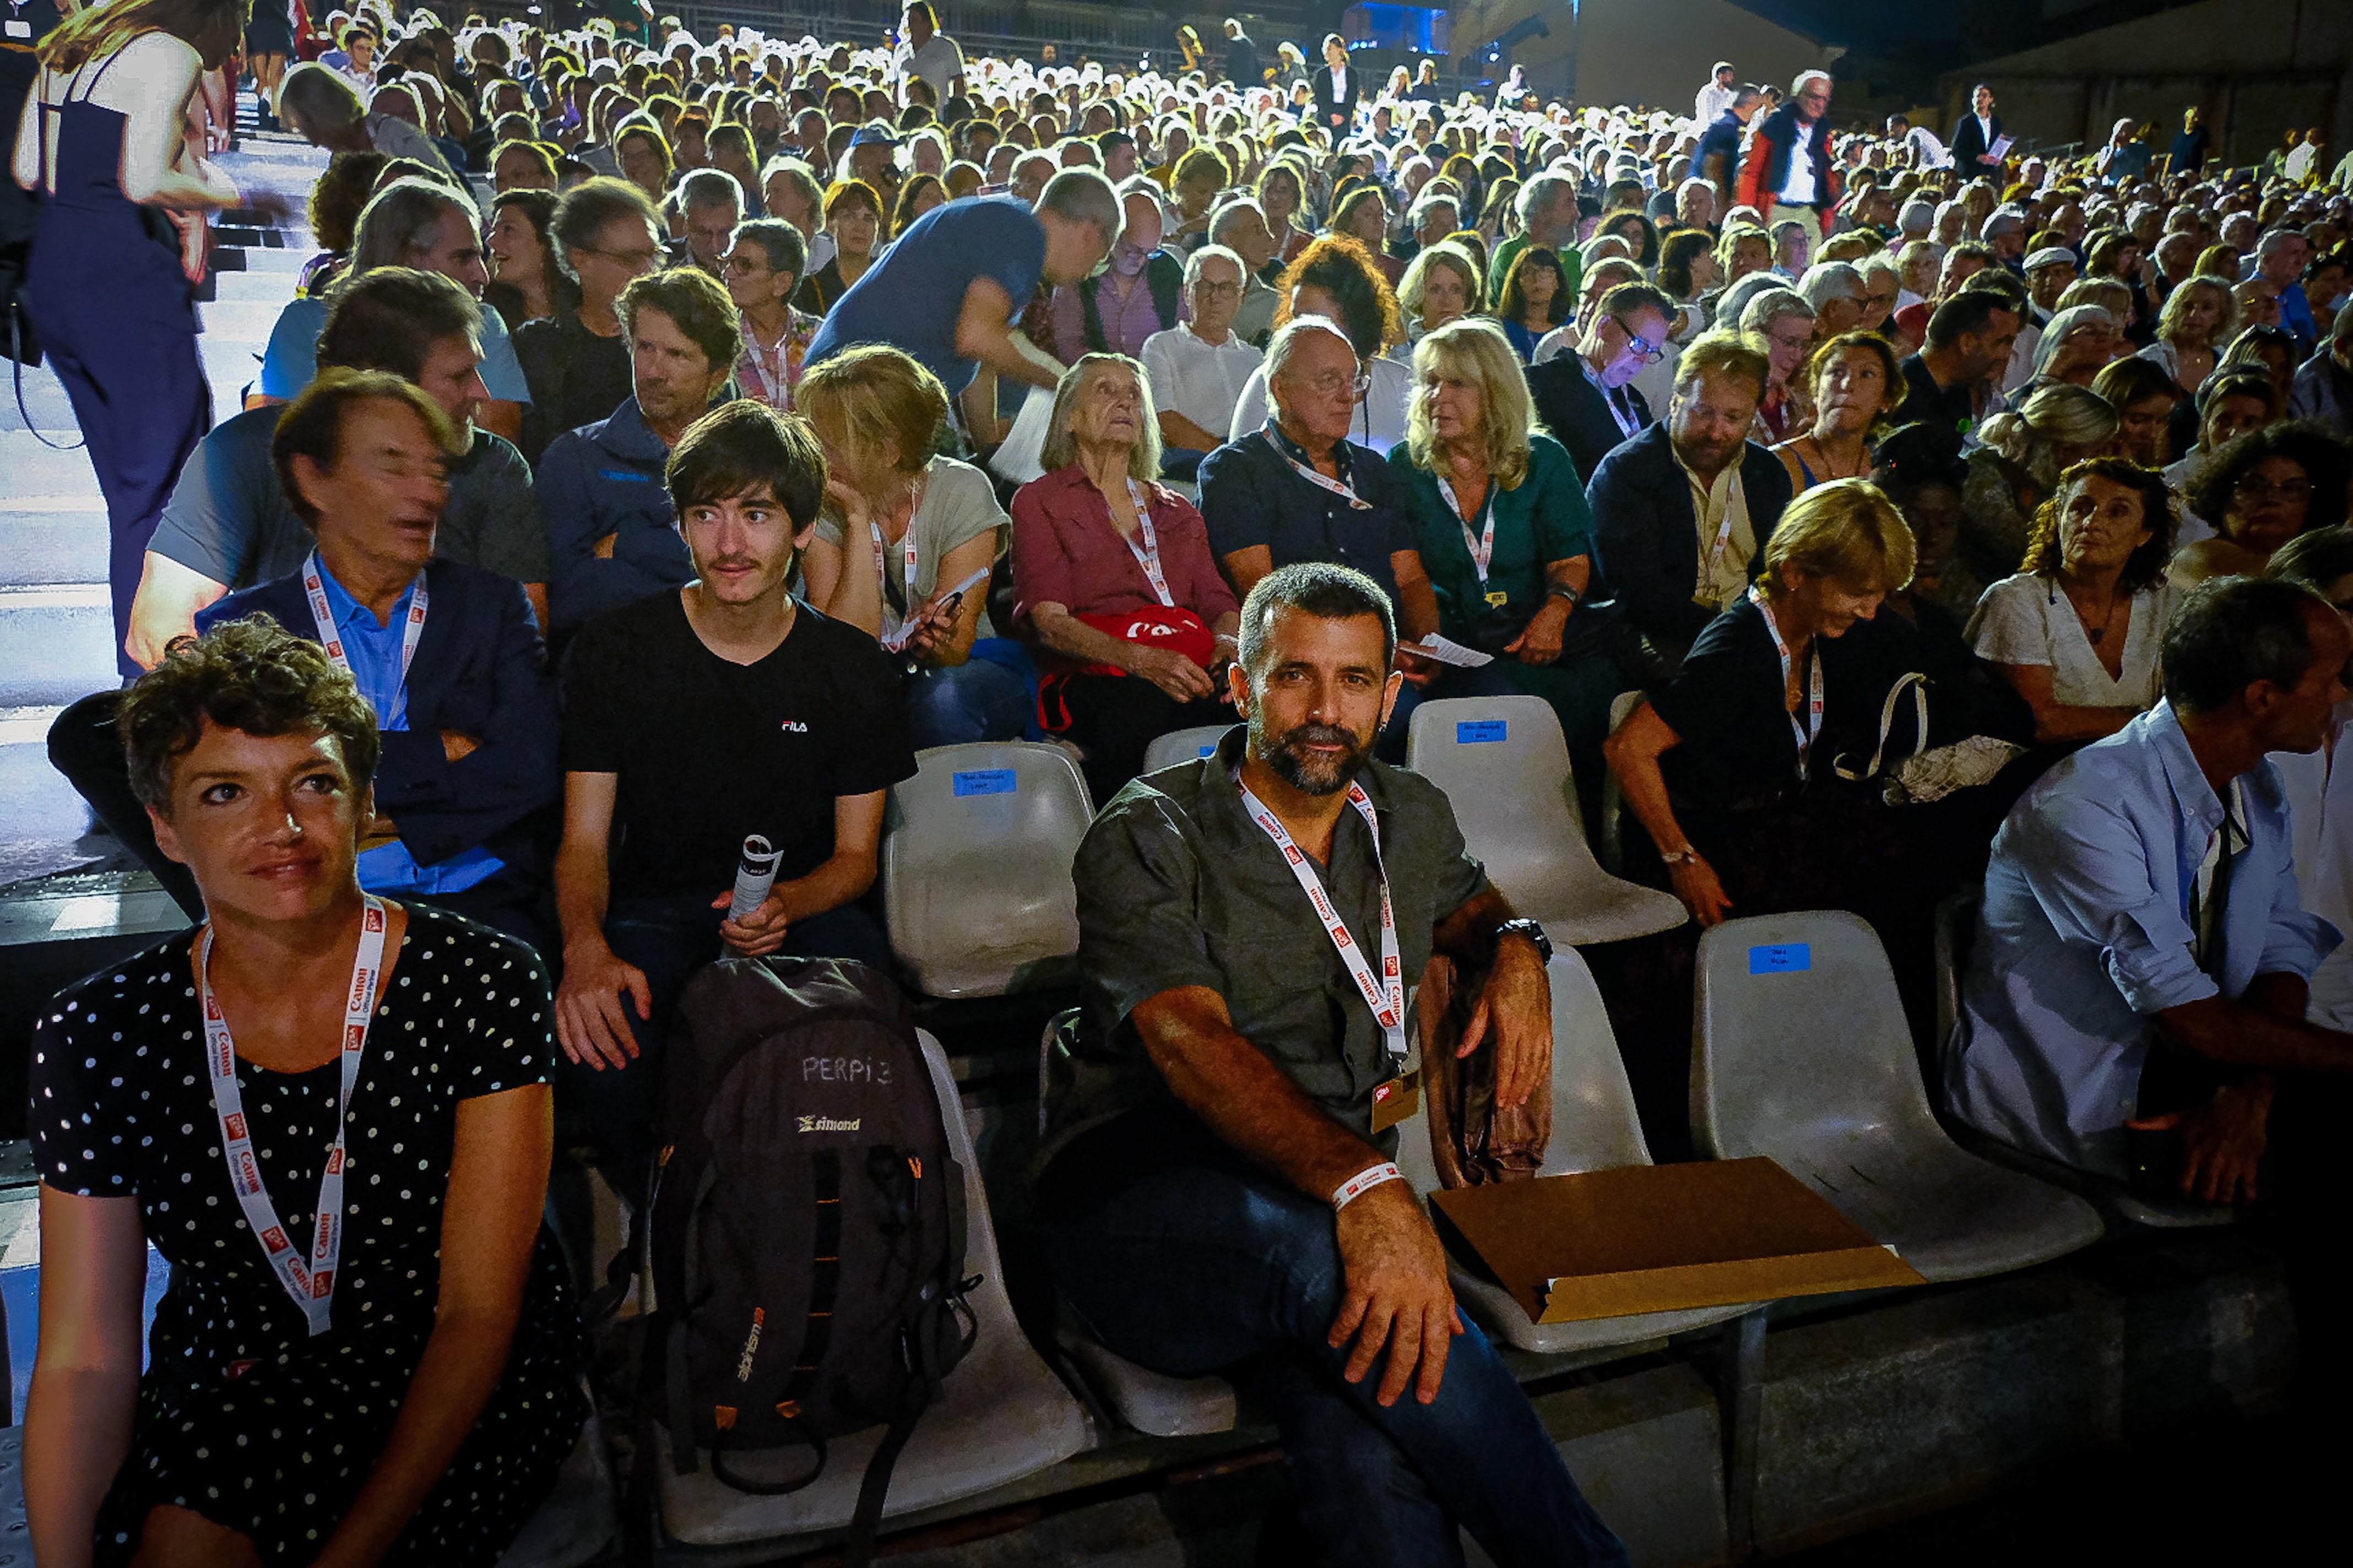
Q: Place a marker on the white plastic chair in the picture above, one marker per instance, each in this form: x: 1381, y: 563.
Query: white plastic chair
x: 1182, y: 746
x: 1151, y: 1401
x: 1802, y: 1055
x: 1594, y: 1128
x: 976, y: 851
x: 1956, y: 926
x: 1003, y: 1415
x: 1504, y: 766
x: 578, y: 1523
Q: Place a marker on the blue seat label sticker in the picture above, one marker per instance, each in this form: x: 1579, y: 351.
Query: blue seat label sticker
x: 987, y: 781
x: 1211, y: 750
x: 1479, y: 731
x: 1781, y: 958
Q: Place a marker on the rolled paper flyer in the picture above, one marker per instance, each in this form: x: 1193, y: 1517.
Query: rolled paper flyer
x: 756, y: 873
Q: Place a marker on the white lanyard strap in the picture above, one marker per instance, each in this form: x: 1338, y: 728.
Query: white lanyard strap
x: 1386, y: 997
x: 1147, y: 553
x: 1723, y: 529
x: 315, y: 588
x: 1621, y: 408
x: 895, y: 637
x: 1806, y: 731
x: 1318, y: 481
x: 1482, y: 544
x: 312, y: 1284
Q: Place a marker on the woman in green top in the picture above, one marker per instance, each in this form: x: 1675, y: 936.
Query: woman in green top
x: 1506, y: 536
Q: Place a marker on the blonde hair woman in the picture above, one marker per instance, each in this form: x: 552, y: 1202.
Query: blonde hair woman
x: 906, y: 545
x: 1114, y: 580
x: 1443, y: 285
x: 1504, y: 534
x: 2197, y: 314
x: 1723, y: 764
x: 2016, y: 471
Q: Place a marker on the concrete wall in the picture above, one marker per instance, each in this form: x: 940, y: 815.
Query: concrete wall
x: 2255, y: 68
x: 1653, y: 53
x: 1657, y: 52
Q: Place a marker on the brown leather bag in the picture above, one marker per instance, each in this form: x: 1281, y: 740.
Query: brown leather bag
x: 1473, y: 1141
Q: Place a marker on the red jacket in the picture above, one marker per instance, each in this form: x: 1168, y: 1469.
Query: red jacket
x: 1763, y: 168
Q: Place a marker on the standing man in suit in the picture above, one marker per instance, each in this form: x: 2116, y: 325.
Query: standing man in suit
x: 1587, y: 399
x: 1336, y: 88
x: 1974, y: 137
x: 1242, y: 57
x: 1681, y: 512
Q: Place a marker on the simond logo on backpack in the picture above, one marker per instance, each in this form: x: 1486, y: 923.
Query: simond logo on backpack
x: 829, y: 1123
x: 751, y: 1346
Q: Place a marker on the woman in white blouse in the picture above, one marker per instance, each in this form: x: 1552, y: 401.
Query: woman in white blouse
x: 2077, y: 630
x: 2198, y: 315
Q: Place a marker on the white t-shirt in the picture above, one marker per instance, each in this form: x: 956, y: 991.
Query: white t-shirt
x: 1711, y: 103
x: 1381, y: 418
x: 2028, y: 619
x: 1928, y: 152
x: 1201, y: 381
x: 1798, y: 188
x: 939, y: 62
x: 2320, y: 818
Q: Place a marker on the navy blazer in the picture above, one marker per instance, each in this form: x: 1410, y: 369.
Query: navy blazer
x: 1577, y: 413
x: 1646, y: 535
x: 480, y: 670
x: 1968, y: 145
x: 1336, y: 114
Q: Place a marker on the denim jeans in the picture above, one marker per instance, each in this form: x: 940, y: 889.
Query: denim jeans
x: 1197, y: 1267
x: 983, y: 698
x: 670, y: 939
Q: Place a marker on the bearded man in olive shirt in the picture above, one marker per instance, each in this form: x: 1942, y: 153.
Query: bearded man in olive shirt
x: 1216, y: 1187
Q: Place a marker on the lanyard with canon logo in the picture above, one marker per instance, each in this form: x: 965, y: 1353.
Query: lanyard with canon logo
x: 1147, y: 554
x: 314, y: 588
x: 312, y: 1284
x: 895, y: 638
x: 1386, y: 995
x: 1806, y: 731
x: 1481, y: 546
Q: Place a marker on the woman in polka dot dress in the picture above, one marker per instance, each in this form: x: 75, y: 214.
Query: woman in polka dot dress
x: 400, y: 1389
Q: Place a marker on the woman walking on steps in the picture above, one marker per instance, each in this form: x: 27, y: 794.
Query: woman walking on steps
x: 103, y: 141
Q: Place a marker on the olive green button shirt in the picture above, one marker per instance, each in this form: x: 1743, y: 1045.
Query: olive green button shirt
x: 1178, y: 886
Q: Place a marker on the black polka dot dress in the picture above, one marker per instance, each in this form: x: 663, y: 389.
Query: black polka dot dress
x: 244, y: 1417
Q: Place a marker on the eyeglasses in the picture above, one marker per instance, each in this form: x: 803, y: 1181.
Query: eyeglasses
x: 1218, y: 290
x: 637, y: 259
x: 1640, y: 347
x: 2254, y: 487
x: 1333, y: 384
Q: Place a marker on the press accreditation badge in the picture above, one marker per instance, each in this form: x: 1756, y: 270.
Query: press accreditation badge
x: 1397, y: 1100
x: 17, y: 29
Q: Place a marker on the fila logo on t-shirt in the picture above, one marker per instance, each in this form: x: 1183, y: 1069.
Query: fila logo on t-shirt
x: 796, y: 726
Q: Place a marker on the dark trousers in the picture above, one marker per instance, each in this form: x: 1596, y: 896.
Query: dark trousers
x: 670, y: 939
x: 1114, y: 718
x: 1196, y: 1267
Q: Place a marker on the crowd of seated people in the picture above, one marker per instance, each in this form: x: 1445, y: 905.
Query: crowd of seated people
x: 629, y: 462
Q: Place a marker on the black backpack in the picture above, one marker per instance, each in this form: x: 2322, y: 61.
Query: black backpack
x: 806, y: 1227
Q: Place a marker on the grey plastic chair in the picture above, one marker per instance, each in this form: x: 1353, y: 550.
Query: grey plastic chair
x: 1004, y: 1414
x: 1956, y: 926
x: 1802, y: 1055
x: 1182, y: 746
x: 1151, y: 1401
x: 1594, y: 1126
x: 1504, y: 766
x: 577, y: 1524
x: 976, y: 850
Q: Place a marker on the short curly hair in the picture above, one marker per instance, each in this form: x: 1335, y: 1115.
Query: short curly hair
x: 2145, y: 565
x: 251, y: 675
x: 2325, y: 459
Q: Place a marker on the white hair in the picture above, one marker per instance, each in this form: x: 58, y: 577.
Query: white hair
x: 1286, y: 339
x: 1207, y: 253
x: 1828, y: 280
x: 1798, y: 87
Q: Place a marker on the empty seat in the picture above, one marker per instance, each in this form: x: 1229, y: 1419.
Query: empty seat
x: 1151, y: 1401
x: 975, y: 872
x: 1504, y: 766
x: 1802, y: 1055
x: 1593, y: 1128
x: 1003, y: 1413
x: 1182, y: 746
x: 1956, y: 926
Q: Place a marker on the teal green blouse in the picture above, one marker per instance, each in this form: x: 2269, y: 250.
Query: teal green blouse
x: 1544, y: 520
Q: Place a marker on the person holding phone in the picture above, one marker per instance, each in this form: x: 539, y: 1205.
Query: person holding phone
x: 906, y: 545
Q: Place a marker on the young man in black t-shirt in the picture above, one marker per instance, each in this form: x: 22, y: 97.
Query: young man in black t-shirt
x: 691, y: 719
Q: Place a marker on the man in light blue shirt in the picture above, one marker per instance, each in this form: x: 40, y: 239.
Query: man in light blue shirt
x: 2143, y: 955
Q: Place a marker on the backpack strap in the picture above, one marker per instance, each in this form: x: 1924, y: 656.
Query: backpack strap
x: 1092, y: 315
x: 1165, y: 276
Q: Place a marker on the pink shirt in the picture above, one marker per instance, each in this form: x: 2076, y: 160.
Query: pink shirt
x: 1066, y: 552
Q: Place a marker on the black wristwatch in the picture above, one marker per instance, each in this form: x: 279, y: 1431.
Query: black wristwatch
x: 1532, y: 930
